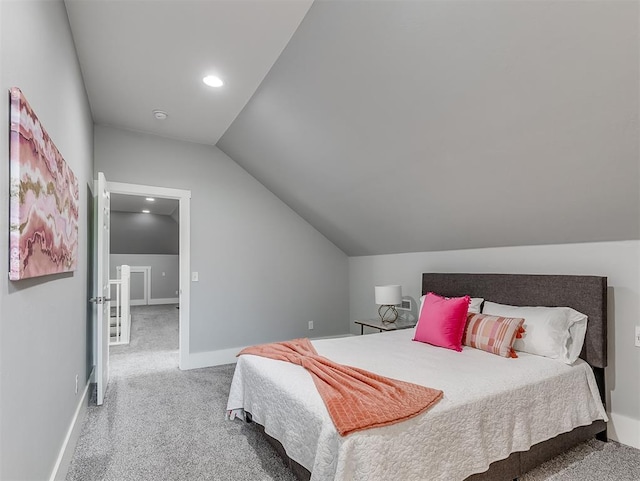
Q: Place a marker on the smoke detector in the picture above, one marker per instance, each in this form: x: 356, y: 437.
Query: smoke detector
x: 160, y: 114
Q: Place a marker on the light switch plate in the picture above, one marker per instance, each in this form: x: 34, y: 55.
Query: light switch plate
x: 194, y: 276
x: 637, y: 336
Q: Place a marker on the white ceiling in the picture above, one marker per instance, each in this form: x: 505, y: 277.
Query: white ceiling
x: 137, y: 56
x: 137, y: 203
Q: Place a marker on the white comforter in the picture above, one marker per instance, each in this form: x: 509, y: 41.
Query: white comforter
x: 492, y: 406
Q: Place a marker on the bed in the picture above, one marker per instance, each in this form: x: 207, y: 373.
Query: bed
x: 469, y: 434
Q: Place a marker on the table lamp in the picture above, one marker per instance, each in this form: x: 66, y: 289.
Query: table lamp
x: 387, y: 297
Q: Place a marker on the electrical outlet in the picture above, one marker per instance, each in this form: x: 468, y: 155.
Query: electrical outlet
x: 76, y: 384
x: 637, y: 336
x: 310, y: 325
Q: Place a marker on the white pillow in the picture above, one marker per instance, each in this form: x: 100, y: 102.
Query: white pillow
x: 554, y: 332
x: 474, y: 305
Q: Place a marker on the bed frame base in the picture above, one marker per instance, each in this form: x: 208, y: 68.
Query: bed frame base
x: 518, y: 464
x: 507, y: 469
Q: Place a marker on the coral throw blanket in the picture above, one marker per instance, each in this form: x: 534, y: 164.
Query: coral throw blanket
x: 356, y: 399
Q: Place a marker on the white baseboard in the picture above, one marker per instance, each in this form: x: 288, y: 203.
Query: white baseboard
x: 198, y: 360
x: 65, y: 455
x: 155, y: 302
x: 624, y: 429
x: 166, y: 300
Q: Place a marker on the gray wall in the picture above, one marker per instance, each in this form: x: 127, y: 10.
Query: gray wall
x: 264, y: 271
x: 162, y: 286
x: 618, y: 261
x: 43, y: 321
x: 137, y: 233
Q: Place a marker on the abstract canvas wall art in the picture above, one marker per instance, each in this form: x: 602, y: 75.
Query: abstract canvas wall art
x: 44, y: 199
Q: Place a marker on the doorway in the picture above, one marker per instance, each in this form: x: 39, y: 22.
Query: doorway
x: 183, y: 197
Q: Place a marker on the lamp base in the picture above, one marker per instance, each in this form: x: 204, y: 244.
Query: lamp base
x: 388, y: 313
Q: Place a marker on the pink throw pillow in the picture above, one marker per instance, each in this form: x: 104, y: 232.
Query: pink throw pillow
x: 442, y: 321
x: 493, y: 334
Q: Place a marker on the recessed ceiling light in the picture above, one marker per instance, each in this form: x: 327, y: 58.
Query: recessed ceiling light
x: 160, y: 114
x: 150, y: 199
x: 146, y: 211
x: 213, y: 81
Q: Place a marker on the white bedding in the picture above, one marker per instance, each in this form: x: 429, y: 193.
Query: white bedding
x: 492, y: 406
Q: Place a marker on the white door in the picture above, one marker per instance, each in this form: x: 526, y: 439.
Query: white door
x: 103, y: 311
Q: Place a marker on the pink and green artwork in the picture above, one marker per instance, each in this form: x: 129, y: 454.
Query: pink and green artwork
x: 44, y: 198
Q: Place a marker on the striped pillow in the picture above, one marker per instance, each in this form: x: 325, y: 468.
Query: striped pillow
x: 493, y: 334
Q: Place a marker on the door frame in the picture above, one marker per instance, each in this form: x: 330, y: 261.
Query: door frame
x: 184, y: 225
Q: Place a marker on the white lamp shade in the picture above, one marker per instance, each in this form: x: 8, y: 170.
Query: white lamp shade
x: 388, y: 295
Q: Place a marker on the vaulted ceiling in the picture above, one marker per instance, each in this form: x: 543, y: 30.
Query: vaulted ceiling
x: 401, y: 126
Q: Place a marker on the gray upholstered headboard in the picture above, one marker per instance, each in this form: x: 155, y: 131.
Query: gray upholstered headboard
x: 587, y: 294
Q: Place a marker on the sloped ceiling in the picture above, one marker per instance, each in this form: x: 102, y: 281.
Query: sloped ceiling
x: 404, y: 126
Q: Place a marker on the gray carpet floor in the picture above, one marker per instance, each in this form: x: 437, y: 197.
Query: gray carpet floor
x: 159, y: 423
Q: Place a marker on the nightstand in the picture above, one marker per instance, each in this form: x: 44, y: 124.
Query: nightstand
x: 385, y: 326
